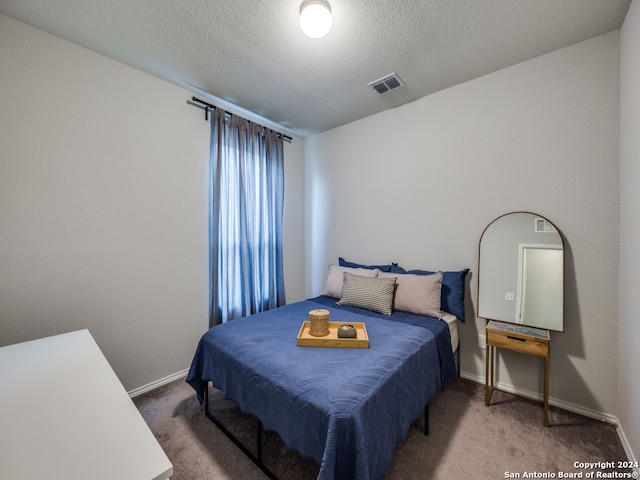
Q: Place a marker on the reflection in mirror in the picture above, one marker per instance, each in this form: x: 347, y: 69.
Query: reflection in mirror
x: 521, y: 271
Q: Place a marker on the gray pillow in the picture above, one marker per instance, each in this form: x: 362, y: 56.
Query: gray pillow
x: 419, y: 294
x: 375, y: 294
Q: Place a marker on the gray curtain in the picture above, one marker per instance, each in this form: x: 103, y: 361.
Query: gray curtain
x: 245, y: 225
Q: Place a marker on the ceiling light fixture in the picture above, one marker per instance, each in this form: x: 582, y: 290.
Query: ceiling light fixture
x: 315, y: 18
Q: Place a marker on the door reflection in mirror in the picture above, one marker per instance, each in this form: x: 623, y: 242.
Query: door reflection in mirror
x: 539, y: 300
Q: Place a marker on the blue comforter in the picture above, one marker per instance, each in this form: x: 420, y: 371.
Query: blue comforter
x: 345, y: 408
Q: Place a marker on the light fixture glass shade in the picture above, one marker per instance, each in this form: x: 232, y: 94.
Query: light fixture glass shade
x: 315, y: 18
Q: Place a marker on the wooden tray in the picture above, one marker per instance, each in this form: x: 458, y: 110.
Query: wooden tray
x: 305, y: 339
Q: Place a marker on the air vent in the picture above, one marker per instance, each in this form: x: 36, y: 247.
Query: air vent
x: 386, y: 84
x: 542, y: 225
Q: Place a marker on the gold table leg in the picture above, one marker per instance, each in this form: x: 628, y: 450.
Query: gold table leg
x: 488, y: 374
x: 546, y: 391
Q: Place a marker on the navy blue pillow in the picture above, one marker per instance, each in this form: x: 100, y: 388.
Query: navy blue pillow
x: 453, y: 288
x: 343, y: 263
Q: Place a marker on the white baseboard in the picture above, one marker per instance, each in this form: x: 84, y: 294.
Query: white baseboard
x: 627, y: 448
x: 537, y: 396
x: 572, y: 407
x: 158, y: 383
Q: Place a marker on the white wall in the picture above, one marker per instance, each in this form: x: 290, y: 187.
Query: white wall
x: 417, y: 185
x: 629, y: 326
x: 103, y: 206
x: 293, y: 243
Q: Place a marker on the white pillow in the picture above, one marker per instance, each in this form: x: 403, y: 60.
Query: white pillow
x: 333, y: 285
x: 419, y: 294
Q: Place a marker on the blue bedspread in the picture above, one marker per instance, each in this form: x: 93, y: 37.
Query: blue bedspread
x: 345, y: 408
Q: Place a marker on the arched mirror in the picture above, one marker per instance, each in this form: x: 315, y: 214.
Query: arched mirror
x: 521, y: 271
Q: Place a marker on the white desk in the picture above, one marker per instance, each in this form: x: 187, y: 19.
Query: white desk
x: 65, y: 415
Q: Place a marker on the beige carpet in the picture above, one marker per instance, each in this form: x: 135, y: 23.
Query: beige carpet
x: 466, y: 440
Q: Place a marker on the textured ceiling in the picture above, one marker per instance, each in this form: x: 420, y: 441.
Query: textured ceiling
x: 252, y: 54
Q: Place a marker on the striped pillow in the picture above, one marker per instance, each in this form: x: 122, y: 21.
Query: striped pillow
x: 374, y: 294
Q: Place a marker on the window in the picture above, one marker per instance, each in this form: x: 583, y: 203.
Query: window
x: 245, y: 224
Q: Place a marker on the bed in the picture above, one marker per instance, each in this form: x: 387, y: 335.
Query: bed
x: 345, y: 408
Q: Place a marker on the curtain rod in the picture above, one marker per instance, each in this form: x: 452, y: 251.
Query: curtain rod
x: 196, y: 102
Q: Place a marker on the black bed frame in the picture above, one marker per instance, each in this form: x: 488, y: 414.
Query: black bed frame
x: 257, y: 459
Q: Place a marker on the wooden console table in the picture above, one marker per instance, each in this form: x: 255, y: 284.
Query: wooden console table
x: 518, y: 338
x: 65, y: 415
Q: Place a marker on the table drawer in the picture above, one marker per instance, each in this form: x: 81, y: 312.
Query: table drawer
x: 518, y: 343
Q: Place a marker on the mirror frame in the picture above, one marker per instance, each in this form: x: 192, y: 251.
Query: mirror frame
x: 480, y: 269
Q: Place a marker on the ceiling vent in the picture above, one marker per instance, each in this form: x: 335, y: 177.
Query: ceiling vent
x: 386, y: 84
x: 542, y: 225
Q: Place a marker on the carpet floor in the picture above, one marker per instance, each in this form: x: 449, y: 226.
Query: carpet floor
x: 466, y: 439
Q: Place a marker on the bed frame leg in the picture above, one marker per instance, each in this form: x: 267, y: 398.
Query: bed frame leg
x: 256, y: 460
x: 426, y: 419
